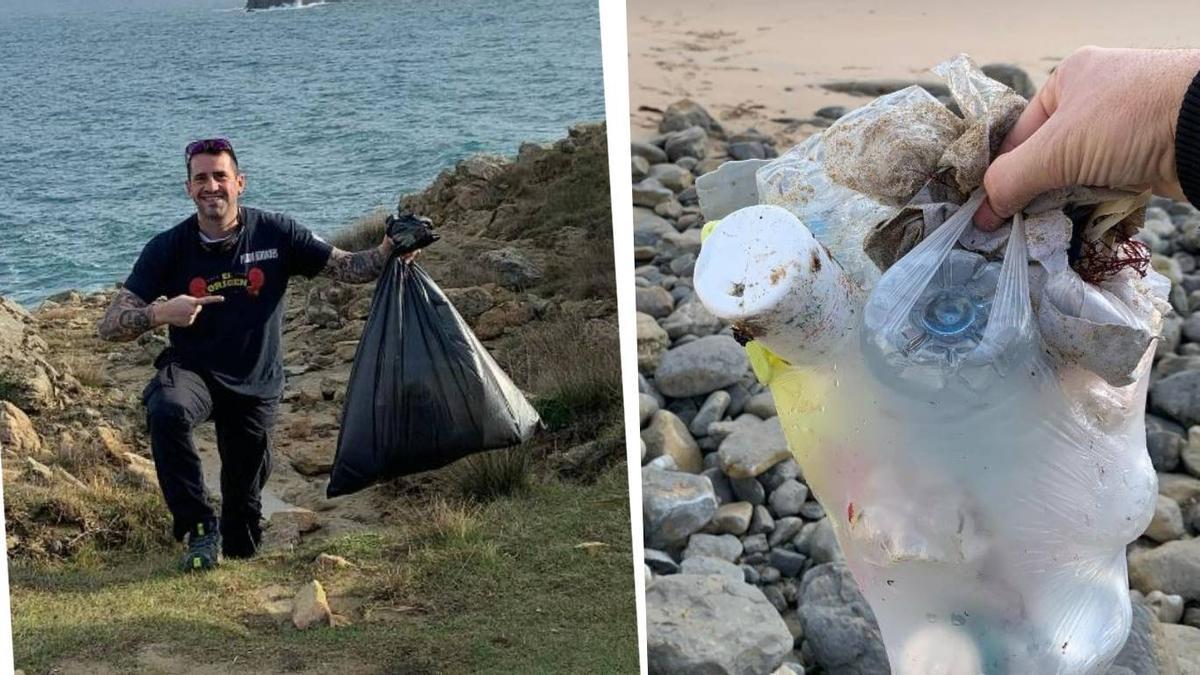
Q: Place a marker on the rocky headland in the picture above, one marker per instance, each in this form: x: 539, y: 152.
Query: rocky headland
x: 743, y: 572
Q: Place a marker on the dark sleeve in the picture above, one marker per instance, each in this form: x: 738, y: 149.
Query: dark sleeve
x: 1187, y: 143
x: 307, y: 253
x: 148, y: 279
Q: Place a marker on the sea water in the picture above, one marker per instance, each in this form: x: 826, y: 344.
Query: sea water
x: 335, y: 110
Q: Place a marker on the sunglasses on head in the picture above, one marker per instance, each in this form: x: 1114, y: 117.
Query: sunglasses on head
x: 209, y: 145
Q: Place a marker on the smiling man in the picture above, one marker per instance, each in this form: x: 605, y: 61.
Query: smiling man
x: 217, y: 279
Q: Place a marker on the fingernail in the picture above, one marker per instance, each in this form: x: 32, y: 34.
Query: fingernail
x: 986, y: 219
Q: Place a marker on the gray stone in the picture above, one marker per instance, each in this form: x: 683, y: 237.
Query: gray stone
x: 515, y: 271
x: 655, y: 301
x: 730, y: 187
x: 674, y: 505
x: 719, y: 431
x: 704, y: 565
x: 1156, y: 423
x: 1172, y: 568
x: 663, y: 462
x: 720, y: 483
x: 831, y: 112
x: 769, y: 575
x: 711, y: 411
x: 684, y: 266
x: 648, y: 227
x: 1012, y: 77
x: 750, y: 574
x: 1170, y: 364
x: 691, y: 318
x: 1167, y: 524
x: 749, y: 452
x: 734, y: 518
x: 761, y: 405
x: 812, y: 511
x: 649, y: 193
x: 639, y: 168
x: 722, y: 546
x: 648, y: 151
x: 1145, y: 651
x: 672, y: 176
x: 775, y: 596
x: 755, y: 543
x: 674, y: 244
x: 1164, y: 448
x: 785, y: 530
x: 669, y: 209
x: 1178, y: 397
x: 839, y: 626
x: 700, y: 367
x: 652, y: 343
x: 1183, y: 642
x: 647, y: 406
x: 822, y: 545
x: 668, y: 435
x: 691, y: 142
x: 1168, y: 608
x: 1189, y: 455
x: 1183, y: 489
x: 789, y: 563
x: 761, y: 521
x: 779, y: 474
x: 660, y: 562
x: 686, y: 113
x: 750, y: 490
x: 787, y: 499
x: 712, y: 624
x: 747, y: 150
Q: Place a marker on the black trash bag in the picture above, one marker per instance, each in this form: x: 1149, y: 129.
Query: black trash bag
x: 423, y: 391
x: 409, y: 233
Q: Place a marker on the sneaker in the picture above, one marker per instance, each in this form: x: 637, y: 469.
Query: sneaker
x: 204, y: 549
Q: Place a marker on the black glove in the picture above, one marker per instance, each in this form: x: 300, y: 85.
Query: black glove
x: 409, y: 233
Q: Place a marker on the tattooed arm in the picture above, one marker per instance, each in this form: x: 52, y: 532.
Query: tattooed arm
x: 129, y: 316
x: 356, y: 268
x: 363, y: 266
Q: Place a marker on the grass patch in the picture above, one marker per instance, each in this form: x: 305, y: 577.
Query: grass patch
x: 11, y: 389
x: 498, y: 473
x: 496, y: 587
x: 89, y: 374
x: 362, y: 234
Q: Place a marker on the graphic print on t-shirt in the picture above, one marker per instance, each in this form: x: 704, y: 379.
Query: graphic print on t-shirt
x: 252, y: 281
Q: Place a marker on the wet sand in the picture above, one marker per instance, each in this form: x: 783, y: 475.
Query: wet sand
x: 749, y: 62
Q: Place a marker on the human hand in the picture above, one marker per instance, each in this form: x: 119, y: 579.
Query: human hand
x: 1105, y: 118
x: 181, y: 310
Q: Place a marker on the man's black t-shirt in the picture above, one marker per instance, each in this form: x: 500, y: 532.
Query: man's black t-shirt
x: 235, y: 341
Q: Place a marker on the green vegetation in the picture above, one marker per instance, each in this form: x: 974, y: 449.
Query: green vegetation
x: 447, y: 587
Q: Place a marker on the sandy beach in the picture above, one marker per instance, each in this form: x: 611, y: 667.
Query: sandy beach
x: 752, y: 64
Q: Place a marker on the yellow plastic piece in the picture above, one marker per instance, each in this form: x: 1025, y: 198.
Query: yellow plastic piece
x: 708, y: 229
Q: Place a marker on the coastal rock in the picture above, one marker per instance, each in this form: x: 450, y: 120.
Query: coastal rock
x: 1145, y: 651
x: 1178, y: 397
x: 691, y: 142
x: 650, y: 193
x: 749, y: 452
x: 701, y: 366
x: 713, y: 624
x: 674, y: 505
x: 1012, y: 77
x: 1167, y: 524
x: 672, y: 176
x: 655, y: 301
x: 650, y: 152
x: 668, y: 435
x: 721, y: 546
x: 513, y: 268
x: 310, y: 607
x: 839, y: 624
x: 691, y: 318
x: 1172, y: 568
x: 648, y: 228
x: 652, y: 342
x: 470, y: 302
x: 686, y: 113
x: 704, y: 566
x: 17, y: 434
x: 712, y: 410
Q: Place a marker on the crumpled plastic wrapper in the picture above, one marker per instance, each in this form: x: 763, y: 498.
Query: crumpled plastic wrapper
x: 890, y: 147
x: 990, y: 109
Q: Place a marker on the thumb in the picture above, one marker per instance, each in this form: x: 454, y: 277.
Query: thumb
x: 1016, y: 177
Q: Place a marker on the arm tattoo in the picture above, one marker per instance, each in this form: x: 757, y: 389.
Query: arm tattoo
x: 355, y: 268
x: 127, y: 317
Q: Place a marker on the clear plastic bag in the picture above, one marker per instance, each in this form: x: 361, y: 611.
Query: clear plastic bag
x: 982, y: 494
